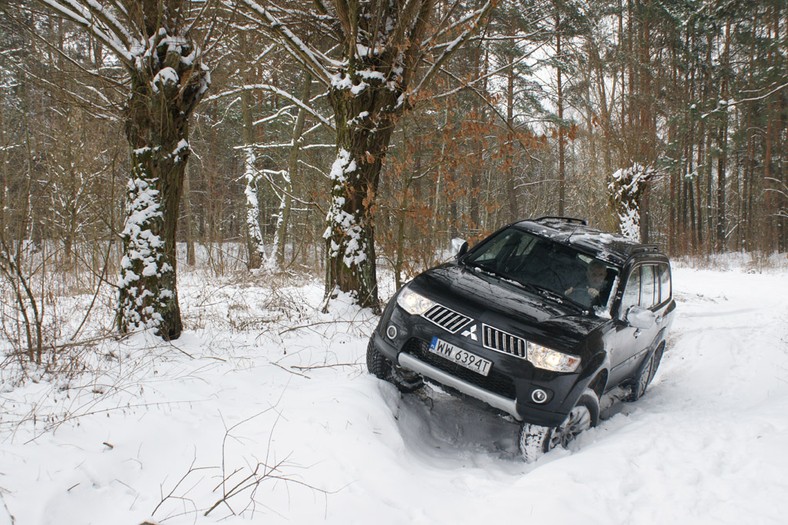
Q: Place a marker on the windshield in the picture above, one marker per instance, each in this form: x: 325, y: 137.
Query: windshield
x: 546, y: 266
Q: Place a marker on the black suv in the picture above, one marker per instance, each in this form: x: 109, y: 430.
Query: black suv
x: 538, y: 320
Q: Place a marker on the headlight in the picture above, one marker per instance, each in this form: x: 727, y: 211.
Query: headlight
x: 548, y: 359
x: 413, y: 303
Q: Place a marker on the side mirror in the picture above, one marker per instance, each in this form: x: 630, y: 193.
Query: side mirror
x: 641, y: 318
x: 459, y: 246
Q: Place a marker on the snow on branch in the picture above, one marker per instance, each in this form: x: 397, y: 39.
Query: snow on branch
x: 724, y: 105
x: 293, y: 45
x: 109, y: 19
x: 116, y: 38
x: 451, y: 27
x: 281, y: 93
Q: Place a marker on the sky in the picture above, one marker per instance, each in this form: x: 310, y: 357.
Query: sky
x: 263, y: 412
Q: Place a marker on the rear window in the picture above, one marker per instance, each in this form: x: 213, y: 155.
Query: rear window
x: 665, y: 286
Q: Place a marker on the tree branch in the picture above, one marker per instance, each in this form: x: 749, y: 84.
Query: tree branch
x: 86, y: 17
x: 292, y: 44
x: 284, y: 94
x: 453, y: 47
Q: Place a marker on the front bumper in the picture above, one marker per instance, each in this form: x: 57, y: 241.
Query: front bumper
x: 507, y: 388
x: 494, y: 400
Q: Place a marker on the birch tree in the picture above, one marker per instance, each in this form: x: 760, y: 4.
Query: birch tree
x: 166, y: 79
x: 370, y: 67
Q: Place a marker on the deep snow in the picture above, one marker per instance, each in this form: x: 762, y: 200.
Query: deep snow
x: 268, y: 389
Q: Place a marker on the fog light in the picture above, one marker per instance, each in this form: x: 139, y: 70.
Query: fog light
x: 539, y: 396
x: 391, y: 331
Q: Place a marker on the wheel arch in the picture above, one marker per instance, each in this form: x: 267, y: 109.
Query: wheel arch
x: 597, y: 376
x: 599, y: 383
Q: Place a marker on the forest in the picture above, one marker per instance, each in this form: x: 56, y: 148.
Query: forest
x: 336, y: 138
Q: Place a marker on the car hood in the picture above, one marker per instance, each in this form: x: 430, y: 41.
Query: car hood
x: 505, y: 305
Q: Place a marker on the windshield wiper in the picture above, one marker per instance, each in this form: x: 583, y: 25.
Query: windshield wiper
x: 481, y: 267
x: 557, y: 297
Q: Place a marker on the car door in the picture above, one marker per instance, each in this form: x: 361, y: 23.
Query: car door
x: 649, y: 300
x: 629, y: 343
x: 665, y: 305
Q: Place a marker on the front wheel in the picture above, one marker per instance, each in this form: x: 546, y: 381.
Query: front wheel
x: 536, y: 440
x: 379, y: 366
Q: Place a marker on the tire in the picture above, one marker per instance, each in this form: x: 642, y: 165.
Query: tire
x: 536, y: 440
x: 645, y: 375
x: 379, y: 366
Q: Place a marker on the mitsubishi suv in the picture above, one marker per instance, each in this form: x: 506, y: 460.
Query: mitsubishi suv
x: 538, y: 320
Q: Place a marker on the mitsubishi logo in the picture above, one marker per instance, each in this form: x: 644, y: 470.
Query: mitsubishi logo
x: 470, y: 332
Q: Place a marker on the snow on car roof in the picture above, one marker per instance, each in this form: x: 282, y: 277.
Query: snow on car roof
x: 609, y: 247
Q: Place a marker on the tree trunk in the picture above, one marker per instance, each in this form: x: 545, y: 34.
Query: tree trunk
x: 191, y: 256
x: 254, y: 235
x: 166, y: 86
x: 511, y: 192
x: 560, y: 104
x: 255, y: 245
x: 722, y: 145
x: 283, y: 221
x: 368, y: 91
x: 363, y: 133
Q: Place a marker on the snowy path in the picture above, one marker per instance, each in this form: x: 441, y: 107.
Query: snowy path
x: 705, y: 445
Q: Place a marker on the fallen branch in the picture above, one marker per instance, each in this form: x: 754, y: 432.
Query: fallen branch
x: 315, y: 367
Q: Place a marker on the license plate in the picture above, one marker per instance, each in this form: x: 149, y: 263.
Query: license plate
x: 460, y: 356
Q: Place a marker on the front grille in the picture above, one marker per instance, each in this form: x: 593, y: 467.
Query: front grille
x: 494, y: 382
x: 446, y: 318
x: 501, y: 341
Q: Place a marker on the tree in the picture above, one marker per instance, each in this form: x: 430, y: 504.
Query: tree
x: 166, y: 80
x: 626, y: 188
x: 372, y: 75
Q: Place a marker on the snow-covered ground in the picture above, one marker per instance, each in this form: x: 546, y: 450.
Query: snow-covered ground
x: 263, y: 413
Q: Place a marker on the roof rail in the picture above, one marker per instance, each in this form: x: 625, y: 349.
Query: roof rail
x: 642, y: 248
x: 565, y: 219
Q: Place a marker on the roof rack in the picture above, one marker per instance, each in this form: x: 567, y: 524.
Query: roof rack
x: 565, y: 219
x: 642, y: 248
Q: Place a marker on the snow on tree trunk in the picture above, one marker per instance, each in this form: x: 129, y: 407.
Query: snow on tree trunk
x: 276, y: 259
x: 366, y: 105
x: 254, y: 232
x: 382, y: 46
x: 626, y: 188
x: 167, y: 82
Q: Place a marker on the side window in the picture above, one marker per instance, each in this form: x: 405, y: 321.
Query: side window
x: 631, y: 291
x: 648, y: 286
x: 665, y: 287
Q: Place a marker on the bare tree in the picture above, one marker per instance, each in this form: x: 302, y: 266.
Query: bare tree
x: 370, y: 69
x: 166, y: 77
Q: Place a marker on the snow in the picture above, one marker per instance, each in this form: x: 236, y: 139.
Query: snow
x: 180, y: 149
x: 152, y: 431
x: 167, y: 76
x: 143, y: 207
x: 340, y: 221
x: 626, y: 185
x: 252, y: 177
